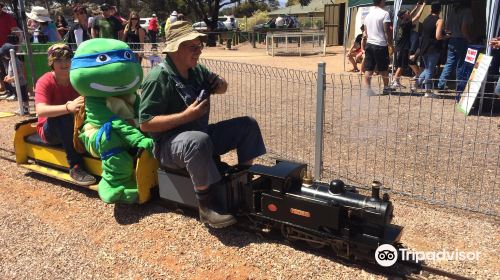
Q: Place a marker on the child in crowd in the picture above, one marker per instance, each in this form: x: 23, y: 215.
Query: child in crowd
x: 10, y: 78
x: 355, y: 54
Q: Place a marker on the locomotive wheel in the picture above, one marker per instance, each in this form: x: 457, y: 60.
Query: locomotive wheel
x: 286, y: 232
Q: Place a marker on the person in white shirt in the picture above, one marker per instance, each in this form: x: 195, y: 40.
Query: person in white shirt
x: 280, y: 21
x: 378, y: 41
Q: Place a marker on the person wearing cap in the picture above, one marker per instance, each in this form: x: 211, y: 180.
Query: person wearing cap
x: 107, y: 26
x: 403, y: 43
x: 10, y: 77
x: 55, y: 103
x: 46, y: 28
x: 153, y: 28
x: 170, y: 20
x: 80, y: 31
x: 175, y: 113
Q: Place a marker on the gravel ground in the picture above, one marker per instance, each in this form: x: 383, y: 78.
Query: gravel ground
x: 52, y: 230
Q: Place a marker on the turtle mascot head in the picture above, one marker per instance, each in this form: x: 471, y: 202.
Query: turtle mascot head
x: 105, y: 67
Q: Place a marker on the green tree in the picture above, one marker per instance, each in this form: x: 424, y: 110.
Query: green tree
x: 245, y: 9
x: 208, y: 11
x: 294, y: 2
x: 273, y: 4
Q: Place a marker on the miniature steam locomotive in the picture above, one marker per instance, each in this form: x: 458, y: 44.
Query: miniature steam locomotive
x: 267, y: 198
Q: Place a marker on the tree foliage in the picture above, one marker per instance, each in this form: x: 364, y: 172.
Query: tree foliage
x: 245, y: 9
x: 295, y: 2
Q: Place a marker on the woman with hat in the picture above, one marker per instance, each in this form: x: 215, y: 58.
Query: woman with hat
x: 174, y: 109
x: 45, y: 26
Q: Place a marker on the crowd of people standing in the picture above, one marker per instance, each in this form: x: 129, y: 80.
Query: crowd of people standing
x: 420, y: 51
x: 84, y: 25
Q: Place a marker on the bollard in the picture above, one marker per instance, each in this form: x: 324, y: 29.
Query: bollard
x: 228, y: 43
x: 253, y: 40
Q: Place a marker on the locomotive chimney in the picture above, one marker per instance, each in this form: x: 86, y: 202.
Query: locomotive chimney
x: 376, y: 190
x: 337, y: 186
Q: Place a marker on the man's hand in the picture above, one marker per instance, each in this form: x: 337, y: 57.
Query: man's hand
x: 196, y: 110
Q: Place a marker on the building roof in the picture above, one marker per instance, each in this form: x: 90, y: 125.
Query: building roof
x: 316, y: 6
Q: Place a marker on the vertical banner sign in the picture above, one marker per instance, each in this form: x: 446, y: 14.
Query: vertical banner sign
x: 471, y: 56
x: 474, y: 84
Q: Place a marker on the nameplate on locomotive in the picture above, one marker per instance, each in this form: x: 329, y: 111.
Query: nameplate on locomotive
x: 300, y: 212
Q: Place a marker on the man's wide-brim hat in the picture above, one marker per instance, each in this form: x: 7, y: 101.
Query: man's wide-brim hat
x: 179, y: 32
x: 39, y: 14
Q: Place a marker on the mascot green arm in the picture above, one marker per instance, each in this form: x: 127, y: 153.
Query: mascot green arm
x: 108, y: 74
x: 132, y: 135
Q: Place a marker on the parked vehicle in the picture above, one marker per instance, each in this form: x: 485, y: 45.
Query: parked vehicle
x: 202, y: 27
x: 289, y: 22
x: 230, y: 22
x: 144, y: 22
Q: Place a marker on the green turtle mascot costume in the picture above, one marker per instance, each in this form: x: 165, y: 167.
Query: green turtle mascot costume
x: 108, y: 74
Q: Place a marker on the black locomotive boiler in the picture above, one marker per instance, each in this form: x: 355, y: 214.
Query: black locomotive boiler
x: 278, y: 197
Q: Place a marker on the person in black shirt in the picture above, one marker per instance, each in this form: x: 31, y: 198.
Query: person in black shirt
x: 355, y: 54
x: 79, y: 32
x: 403, y: 42
x: 134, y: 35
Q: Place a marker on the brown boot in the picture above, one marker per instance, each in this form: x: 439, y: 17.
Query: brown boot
x: 208, y: 215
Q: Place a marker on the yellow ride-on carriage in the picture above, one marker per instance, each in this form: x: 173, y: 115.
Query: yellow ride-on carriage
x: 34, y: 154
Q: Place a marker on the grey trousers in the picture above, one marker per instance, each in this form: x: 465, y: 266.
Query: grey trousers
x: 194, y: 150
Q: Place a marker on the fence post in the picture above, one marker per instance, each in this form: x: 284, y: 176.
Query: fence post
x: 13, y: 62
x: 320, y: 114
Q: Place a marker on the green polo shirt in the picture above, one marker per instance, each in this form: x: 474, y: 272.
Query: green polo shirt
x: 159, y: 93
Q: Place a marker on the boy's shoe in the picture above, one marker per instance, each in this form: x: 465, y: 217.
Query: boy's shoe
x: 11, y: 97
x: 396, y: 85
x: 388, y: 90
x: 445, y: 89
x: 81, y: 176
x: 430, y: 94
x: 5, y: 94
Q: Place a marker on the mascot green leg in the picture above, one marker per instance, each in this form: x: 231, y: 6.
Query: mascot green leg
x: 118, y: 182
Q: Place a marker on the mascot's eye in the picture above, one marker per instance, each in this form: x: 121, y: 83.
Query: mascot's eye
x: 127, y: 55
x: 103, y: 58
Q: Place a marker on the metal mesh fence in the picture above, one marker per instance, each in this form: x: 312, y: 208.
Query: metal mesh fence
x: 295, y: 43
x: 281, y: 100
x: 422, y: 147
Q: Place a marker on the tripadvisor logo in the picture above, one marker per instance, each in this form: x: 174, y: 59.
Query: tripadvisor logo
x: 387, y: 255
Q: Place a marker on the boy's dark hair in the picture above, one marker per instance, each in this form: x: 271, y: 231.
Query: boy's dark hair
x: 5, y: 50
x: 79, y: 8
x: 377, y: 2
x: 435, y: 7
